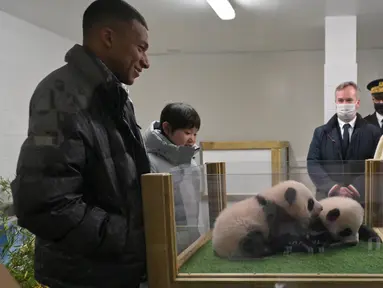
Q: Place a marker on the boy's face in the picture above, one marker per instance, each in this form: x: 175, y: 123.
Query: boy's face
x: 181, y: 137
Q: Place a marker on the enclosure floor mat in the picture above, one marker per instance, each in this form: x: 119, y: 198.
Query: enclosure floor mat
x: 364, y: 258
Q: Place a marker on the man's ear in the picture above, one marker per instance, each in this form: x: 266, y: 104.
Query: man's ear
x: 107, y: 37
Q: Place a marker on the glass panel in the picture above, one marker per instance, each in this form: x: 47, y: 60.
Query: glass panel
x: 188, y: 186
x: 245, y: 179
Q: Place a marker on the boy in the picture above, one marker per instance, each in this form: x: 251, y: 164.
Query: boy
x: 171, y: 145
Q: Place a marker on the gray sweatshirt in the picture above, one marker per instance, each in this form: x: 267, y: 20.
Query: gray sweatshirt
x: 165, y: 157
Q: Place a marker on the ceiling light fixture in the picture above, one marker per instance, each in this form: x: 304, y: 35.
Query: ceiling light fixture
x: 222, y: 8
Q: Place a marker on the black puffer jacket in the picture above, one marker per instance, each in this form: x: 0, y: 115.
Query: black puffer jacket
x: 78, y: 178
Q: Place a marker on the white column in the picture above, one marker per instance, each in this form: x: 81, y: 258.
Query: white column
x: 340, y: 63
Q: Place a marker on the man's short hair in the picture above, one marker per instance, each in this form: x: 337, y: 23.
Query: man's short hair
x: 346, y: 84
x: 180, y: 116
x: 105, y: 11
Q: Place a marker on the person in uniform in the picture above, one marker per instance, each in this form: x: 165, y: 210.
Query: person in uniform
x: 376, y: 89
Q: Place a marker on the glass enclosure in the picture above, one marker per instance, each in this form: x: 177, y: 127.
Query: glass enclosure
x: 200, y: 193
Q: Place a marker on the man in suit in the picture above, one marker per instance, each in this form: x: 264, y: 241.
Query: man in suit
x: 338, y: 149
x: 376, y: 89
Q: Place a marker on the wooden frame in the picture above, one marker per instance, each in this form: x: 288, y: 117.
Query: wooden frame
x: 373, y: 193
x: 276, y: 148
x: 7, y: 279
x: 163, y: 263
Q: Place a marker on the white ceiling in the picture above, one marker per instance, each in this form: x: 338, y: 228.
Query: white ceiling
x: 190, y: 26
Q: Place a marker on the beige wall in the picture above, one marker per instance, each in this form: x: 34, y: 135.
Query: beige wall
x: 240, y: 96
x: 253, y: 96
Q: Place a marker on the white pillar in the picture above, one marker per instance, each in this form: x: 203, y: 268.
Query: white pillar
x: 340, y: 62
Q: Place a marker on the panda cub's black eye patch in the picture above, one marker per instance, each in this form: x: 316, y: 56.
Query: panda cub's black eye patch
x: 345, y: 233
x: 310, y: 205
x: 333, y: 214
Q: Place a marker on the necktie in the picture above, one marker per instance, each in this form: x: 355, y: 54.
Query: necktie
x: 381, y: 127
x: 346, y: 139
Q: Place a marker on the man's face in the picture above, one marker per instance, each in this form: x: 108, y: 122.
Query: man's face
x: 127, y: 45
x: 347, y: 96
x: 377, y: 100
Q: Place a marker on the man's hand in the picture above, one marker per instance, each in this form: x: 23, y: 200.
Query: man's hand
x: 345, y: 192
x: 353, y: 190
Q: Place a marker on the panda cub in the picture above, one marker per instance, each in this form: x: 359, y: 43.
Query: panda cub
x: 341, y: 223
x: 258, y: 226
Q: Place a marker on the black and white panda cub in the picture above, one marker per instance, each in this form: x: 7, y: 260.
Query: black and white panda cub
x: 264, y: 224
x: 341, y: 223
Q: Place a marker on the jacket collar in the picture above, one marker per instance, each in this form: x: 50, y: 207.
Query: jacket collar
x: 159, y: 145
x: 333, y: 122
x: 100, y: 77
x: 90, y: 65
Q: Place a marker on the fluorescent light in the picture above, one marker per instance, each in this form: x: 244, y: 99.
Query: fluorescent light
x: 222, y: 8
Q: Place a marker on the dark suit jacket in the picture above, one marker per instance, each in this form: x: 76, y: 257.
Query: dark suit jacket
x: 372, y: 119
x: 325, y: 163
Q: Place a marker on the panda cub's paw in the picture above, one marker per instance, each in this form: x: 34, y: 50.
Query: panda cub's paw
x: 288, y: 250
x: 253, y: 245
x: 308, y: 248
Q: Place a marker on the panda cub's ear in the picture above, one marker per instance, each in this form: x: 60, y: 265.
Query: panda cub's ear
x: 261, y: 200
x: 333, y: 214
x: 290, y: 195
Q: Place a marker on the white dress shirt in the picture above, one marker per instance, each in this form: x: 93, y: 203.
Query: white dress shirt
x: 350, y: 130
x: 380, y: 118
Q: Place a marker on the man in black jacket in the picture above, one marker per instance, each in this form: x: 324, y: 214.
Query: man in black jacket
x: 339, y: 148
x: 78, y: 175
x: 376, y: 89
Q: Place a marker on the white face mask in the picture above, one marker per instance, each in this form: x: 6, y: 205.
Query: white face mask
x: 346, y: 112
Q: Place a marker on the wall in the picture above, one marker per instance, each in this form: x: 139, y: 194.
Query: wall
x: 253, y: 96
x: 370, y: 67
x: 27, y: 55
x: 240, y: 96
